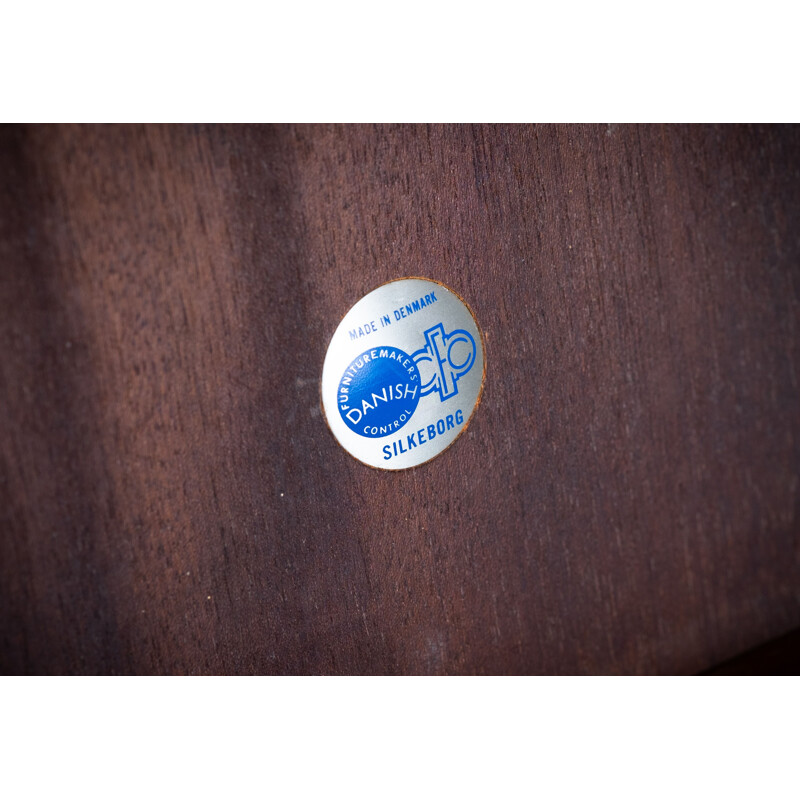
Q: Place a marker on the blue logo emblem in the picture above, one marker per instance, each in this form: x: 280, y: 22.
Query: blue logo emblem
x: 381, y: 389
x: 445, y: 359
x: 379, y: 392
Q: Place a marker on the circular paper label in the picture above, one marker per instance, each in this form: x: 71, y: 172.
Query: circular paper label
x: 403, y: 374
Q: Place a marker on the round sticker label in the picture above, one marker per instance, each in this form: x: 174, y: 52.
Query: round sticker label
x: 403, y: 374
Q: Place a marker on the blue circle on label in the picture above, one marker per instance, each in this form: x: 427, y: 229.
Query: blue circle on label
x: 379, y: 392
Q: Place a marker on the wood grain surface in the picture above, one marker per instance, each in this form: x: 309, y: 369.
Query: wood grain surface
x: 625, y: 500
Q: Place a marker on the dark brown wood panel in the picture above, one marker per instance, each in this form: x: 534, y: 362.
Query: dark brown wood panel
x: 625, y: 500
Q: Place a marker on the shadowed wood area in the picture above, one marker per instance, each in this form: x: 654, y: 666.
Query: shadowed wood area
x: 625, y: 499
